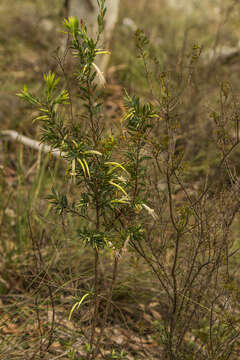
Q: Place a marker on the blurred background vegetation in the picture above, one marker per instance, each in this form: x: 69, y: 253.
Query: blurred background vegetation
x: 30, y: 37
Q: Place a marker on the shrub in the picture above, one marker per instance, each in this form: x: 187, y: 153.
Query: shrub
x: 135, y: 194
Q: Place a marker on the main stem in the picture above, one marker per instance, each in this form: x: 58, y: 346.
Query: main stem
x: 96, y: 299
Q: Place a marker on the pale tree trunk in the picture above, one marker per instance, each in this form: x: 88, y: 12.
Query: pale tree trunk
x: 87, y: 10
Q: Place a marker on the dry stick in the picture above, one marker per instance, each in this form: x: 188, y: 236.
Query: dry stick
x: 107, y: 309
x: 176, y: 255
x: 34, y: 144
x: 96, y: 303
x: 39, y: 258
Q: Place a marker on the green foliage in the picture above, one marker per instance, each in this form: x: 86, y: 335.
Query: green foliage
x: 110, y: 191
x: 114, y: 188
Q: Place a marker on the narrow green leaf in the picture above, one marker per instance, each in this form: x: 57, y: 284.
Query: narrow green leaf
x: 93, y: 152
x: 118, y: 186
x: 77, y: 305
x: 82, y: 165
x: 87, y: 168
x: 43, y: 117
x: 116, y: 165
